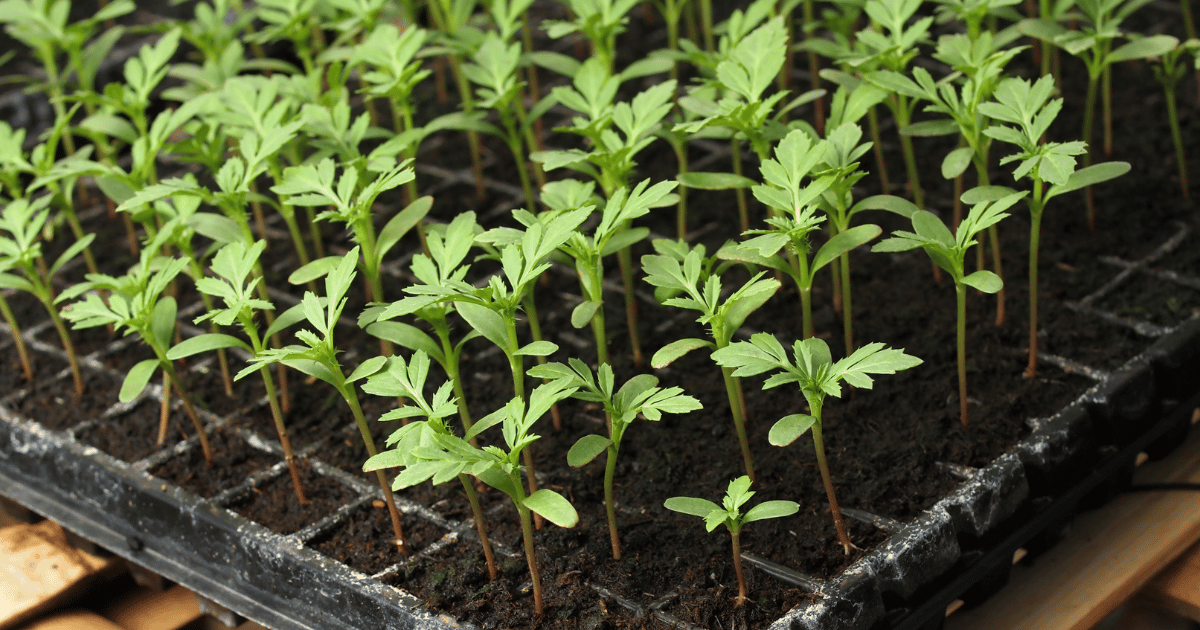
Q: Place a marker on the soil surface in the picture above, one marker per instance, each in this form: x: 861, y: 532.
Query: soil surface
x: 884, y: 444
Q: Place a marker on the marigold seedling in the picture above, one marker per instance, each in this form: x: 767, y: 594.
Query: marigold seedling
x: 818, y: 376
x: 639, y: 395
x: 729, y: 514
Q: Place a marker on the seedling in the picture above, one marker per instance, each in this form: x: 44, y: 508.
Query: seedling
x: 639, y: 395
x: 729, y: 514
x: 1093, y: 44
x: 610, y: 236
x: 407, y: 380
x: 500, y: 467
x: 1027, y: 106
x: 443, y: 267
x: 687, y: 271
x: 818, y: 376
x: 235, y: 283
x: 318, y: 358
x: 794, y: 200
x: 136, y: 304
x: 600, y: 21
x: 21, y: 251
x: 1170, y: 72
x: 949, y: 252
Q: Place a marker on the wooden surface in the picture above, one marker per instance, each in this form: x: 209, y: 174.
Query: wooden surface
x: 73, y: 620
x: 146, y: 609
x: 1177, y: 588
x: 1111, y: 553
x: 40, y: 570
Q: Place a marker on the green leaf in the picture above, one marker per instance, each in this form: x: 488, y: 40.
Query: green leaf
x: 205, y: 343
x: 367, y: 368
x: 980, y: 194
x: 162, y: 321
x: 537, y: 349
x: 1146, y: 47
x: 672, y: 351
x: 985, y: 281
x: 843, y: 242
x: 770, y: 509
x: 400, y: 224
x: 956, y: 162
x: 941, y: 127
x: 407, y: 336
x: 136, y: 379
x: 1089, y: 176
x: 714, y: 181
x: 891, y: 203
x: 553, y: 507
x: 788, y: 428
x: 486, y: 321
x: 692, y: 505
x: 586, y: 449
x: 318, y: 268
x: 583, y: 313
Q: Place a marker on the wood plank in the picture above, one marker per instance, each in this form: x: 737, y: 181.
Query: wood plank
x: 73, y: 620
x: 1177, y: 588
x: 39, y: 570
x: 146, y: 609
x: 1111, y: 553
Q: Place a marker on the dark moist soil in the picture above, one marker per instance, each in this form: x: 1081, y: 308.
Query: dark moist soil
x: 363, y: 541
x: 233, y: 462
x: 52, y: 402
x: 884, y: 444
x: 133, y: 435
x: 274, y: 504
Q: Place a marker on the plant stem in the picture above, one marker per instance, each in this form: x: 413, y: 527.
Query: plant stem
x: 277, y: 414
x: 910, y: 158
x: 737, y: 567
x: 1177, y: 138
x: 739, y: 414
x: 1034, y: 235
x: 610, y: 471
x: 351, y: 398
x: 994, y: 243
x: 535, y: 330
x: 847, y: 308
x: 187, y: 407
x: 1106, y: 101
x: 743, y: 211
x: 877, y: 144
x: 680, y: 148
x: 625, y: 258
x: 814, y: 71
x: 838, y: 523
x: 480, y: 526
x: 1088, y: 116
x: 801, y: 258
x: 164, y: 411
x: 516, y: 364
x: 706, y: 22
x: 68, y: 347
x: 18, y: 339
x: 961, y: 295
x: 530, y: 555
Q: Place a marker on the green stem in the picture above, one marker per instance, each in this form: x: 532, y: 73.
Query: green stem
x: 827, y: 480
x: 351, y: 397
x: 480, y: 526
x: 1034, y: 236
x: 801, y: 258
x: 847, y: 307
x: 743, y: 212
x: 681, y: 221
x: 1088, y: 117
x: 961, y: 295
x: 535, y: 330
x: 910, y: 158
x: 735, y: 534
x: 1177, y: 138
x: 732, y: 385
x: 625, y: 258
x: 169, y: 370
x: 530, y: 554
x: 516, y: 364
x: 68, y: 347
x: 1106, y: 100
x: 610, y: 471
x: 706, y: 22
x: 18, y: 339
x: 281, y: 429
x: 877, y: 144
x: 994, y: 243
